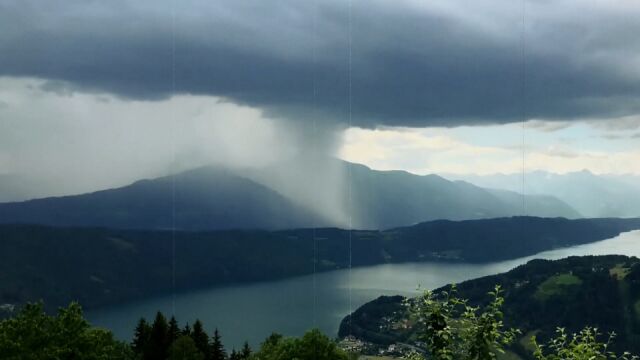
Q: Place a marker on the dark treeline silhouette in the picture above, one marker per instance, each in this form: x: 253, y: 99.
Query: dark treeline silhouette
x: 164, y: 339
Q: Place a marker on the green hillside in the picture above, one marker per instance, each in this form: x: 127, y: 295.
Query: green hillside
x: 599, y: 291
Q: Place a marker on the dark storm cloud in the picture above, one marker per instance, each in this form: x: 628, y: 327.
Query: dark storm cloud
x: 412, y: 63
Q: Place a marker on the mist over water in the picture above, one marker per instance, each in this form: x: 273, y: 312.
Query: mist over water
x: 253, y: 311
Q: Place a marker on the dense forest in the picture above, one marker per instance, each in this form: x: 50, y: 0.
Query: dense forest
x: 598, y: 291
x: 32, y: 334
x: 97, y: 266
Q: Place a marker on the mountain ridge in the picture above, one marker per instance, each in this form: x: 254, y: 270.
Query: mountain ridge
x: 202, y: 199
x: 280, y: 197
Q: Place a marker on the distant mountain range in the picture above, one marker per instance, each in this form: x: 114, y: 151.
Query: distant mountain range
x: 212, y: 198
x: 99, y: 266
x: 384, y: 199
x: 597, y: 291
x: 591, y: 195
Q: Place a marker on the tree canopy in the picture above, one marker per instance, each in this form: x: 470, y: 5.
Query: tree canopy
x: 34, y: 335
x: 312, y: 346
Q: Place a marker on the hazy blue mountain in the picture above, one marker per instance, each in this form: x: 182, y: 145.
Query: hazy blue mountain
x: 284, y: 196
x: 373, y: 199
x: 206, y: 198
x: 629, y: 179
x: 591, y: 195
x: 396, y: 198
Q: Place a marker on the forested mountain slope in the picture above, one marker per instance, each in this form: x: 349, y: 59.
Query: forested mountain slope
x: 100, y: 266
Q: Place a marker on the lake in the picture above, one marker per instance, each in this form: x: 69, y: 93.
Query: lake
x: 253, y: 311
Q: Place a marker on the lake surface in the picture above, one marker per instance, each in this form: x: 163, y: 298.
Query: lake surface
x: 253, y: 311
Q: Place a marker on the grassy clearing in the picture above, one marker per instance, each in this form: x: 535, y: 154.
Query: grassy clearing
x: 556, y: 285
x: 619, y: 271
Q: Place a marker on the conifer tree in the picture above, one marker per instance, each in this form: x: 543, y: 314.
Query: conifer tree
x: 141, y: 336
x: 217, y: 349
x: 158, y: 344
x: 200, y: 338
x: 186, y: 331
x: 174, y: 330
x: 235, y: 355
x: 245, y: 353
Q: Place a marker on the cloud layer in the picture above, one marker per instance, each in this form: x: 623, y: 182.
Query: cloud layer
x: 412, y: 63
x: 78, y: 143
x: 453, y: 151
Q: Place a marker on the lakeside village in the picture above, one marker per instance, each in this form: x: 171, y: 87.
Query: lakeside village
x: 369, y: 350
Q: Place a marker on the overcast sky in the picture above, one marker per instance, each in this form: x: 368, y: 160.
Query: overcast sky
x: 110, y: 91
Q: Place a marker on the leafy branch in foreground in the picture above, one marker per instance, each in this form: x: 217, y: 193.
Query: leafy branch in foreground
x: 453, y: 329
x: 583, y: 345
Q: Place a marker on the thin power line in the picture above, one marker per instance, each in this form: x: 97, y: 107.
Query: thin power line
x: 524, y: 100
x: 173, y: 162
x: 350, y: 170
x: 315, y: 155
